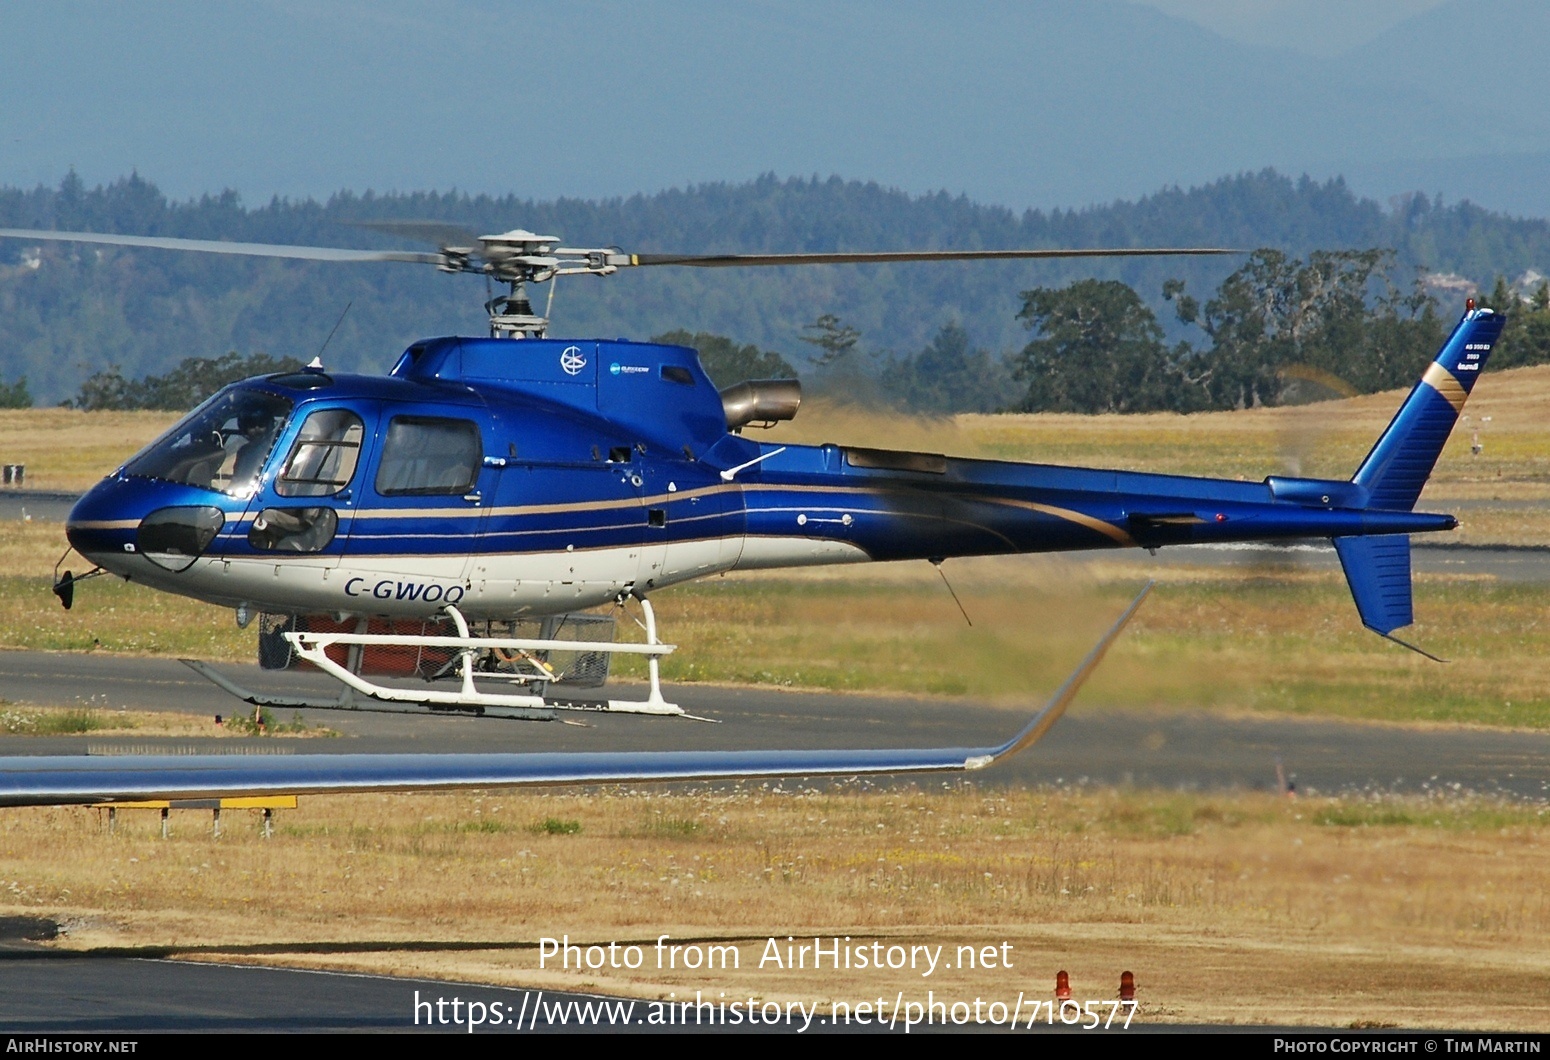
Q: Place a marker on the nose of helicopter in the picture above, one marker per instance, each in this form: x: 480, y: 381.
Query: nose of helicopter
x: 104, y: 520
x: 122, y: 523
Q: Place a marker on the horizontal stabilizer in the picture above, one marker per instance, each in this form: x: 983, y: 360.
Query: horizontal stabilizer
x: 1378, y: 570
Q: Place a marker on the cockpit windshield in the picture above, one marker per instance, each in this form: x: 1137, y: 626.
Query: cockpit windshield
x: 220, y: 446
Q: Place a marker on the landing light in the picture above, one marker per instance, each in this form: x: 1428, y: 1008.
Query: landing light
x: 175, y: 537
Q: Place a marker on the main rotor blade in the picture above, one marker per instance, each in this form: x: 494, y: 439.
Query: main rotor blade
x: 455, y: 259
x: 215, y: 246
x: 873, y: 257
x: 437, y: 233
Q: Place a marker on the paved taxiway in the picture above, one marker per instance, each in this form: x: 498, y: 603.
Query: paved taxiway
x: 1094, y: 744
x: 48, y: 991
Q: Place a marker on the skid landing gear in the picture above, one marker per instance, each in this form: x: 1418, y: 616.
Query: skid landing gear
x: 521, y: 663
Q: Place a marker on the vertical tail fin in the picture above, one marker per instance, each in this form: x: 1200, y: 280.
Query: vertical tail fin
x: 1406, y: 452
x: 1378, y: 568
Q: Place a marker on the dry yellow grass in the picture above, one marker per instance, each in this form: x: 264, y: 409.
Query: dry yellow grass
x: 28, y: 719
x: 67, y: 450
x: 1229, y: 908
x: 31, y: 549
x: 1328, y: 438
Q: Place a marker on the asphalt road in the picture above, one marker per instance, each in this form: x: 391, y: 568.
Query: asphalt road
x: 42, y: 505
x: 1509, y: 563
x: 48, y: 991
x: 1095, y: 744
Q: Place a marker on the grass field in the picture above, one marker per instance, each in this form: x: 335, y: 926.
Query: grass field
x: 70, y: 451
x: 27, y: 720
x: 1228, y: 908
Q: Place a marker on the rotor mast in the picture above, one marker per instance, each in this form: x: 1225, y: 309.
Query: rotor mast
x: 518, y: 258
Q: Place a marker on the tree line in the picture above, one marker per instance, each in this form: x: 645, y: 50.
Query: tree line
x: 1279, y: 329
x: 192, y: 381
x: 68, y: 311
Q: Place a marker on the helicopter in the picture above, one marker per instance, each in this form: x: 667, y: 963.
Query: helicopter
x: 458, y: 517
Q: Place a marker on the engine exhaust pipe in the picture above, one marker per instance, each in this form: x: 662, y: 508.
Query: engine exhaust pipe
x: 761, y: 402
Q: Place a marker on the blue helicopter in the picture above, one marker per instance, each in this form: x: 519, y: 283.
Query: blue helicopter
x: 463, y: 511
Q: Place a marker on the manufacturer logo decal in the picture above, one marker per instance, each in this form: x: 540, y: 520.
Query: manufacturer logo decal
x: 573, y: 360
x: 626, y: 369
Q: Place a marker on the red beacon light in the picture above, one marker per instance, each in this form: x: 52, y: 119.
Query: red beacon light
x: 1469, y: 305
x: 1062, y: 986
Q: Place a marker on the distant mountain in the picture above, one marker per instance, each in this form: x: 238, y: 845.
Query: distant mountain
x: 1486, y: 54
x: 1487, y: 57
x: 1314, y: 27
x: 67, y: 311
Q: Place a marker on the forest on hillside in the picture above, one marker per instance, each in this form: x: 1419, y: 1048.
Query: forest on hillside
x: 69, y: 312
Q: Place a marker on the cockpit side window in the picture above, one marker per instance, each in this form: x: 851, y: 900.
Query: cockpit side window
x: 323, y: 460
x: 221, y: 445
x: 422, y: 456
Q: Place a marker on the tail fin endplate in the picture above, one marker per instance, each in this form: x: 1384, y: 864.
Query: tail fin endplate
x: 1395, y: 471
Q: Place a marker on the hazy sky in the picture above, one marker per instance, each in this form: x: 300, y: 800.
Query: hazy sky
x: 1017, y: 102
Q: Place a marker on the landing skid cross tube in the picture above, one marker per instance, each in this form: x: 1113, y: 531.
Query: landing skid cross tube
x: 313, y: 647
